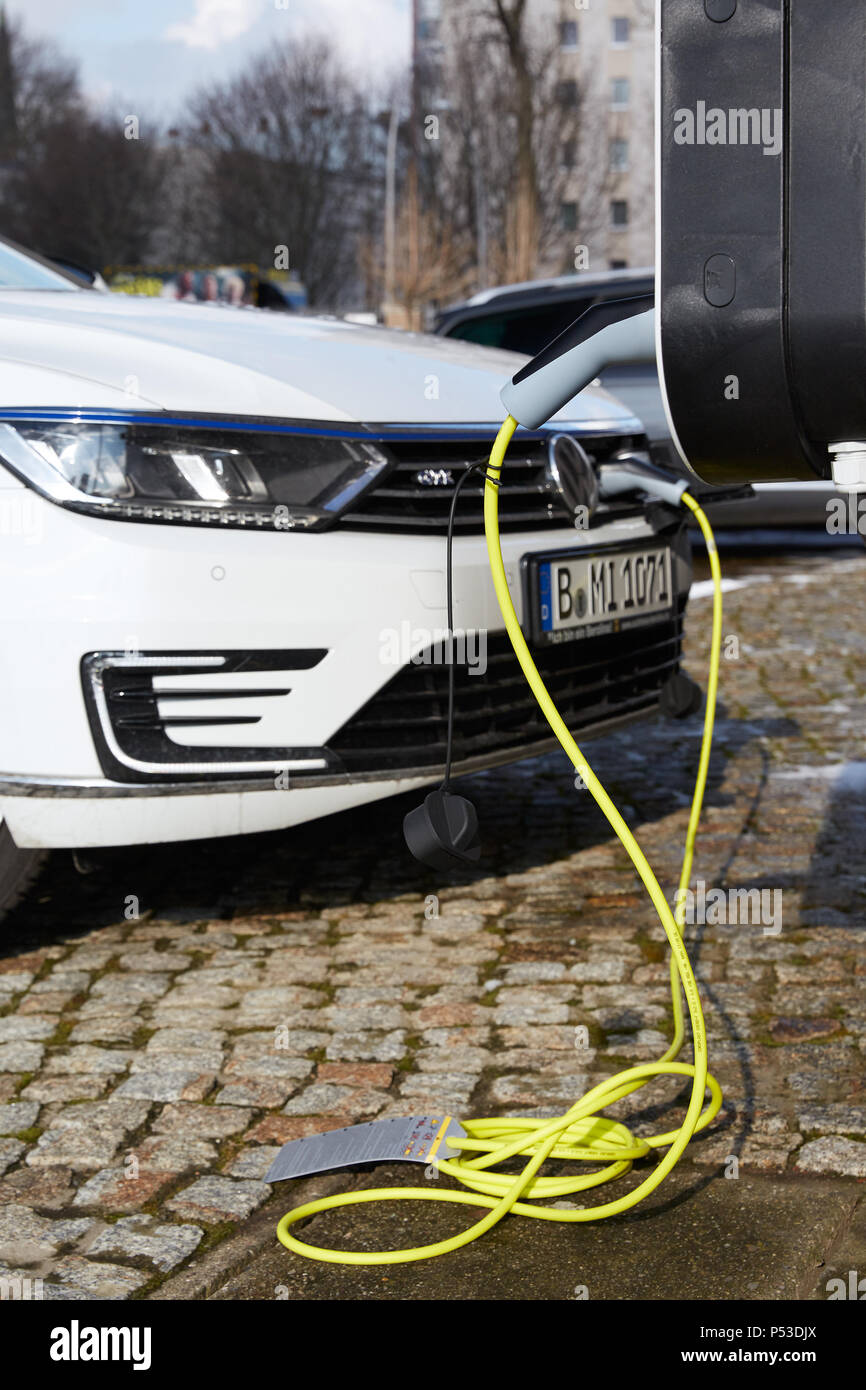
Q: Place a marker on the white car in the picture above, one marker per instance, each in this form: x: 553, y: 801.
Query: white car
x: 223, y: 568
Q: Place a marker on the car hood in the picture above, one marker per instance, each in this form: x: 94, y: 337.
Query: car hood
x: 78, y: 349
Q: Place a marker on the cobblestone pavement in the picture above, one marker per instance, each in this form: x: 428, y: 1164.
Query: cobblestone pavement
x: 277, y: 986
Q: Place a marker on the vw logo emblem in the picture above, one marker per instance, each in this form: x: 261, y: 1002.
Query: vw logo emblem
x: 435, y: 477
x: 570, y: 473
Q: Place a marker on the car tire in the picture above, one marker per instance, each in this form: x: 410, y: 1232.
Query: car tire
x: 19, y: 870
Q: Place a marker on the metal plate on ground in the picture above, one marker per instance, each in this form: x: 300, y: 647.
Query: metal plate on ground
x: 415, y: 1139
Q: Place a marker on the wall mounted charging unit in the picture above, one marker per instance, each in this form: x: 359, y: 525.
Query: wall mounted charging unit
x: 761, y: 236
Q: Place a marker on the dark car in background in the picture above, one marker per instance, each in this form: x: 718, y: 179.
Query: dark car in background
x: 526, y: 317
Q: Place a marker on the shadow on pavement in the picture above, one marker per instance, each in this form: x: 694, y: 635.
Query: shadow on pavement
x: 529, y: 812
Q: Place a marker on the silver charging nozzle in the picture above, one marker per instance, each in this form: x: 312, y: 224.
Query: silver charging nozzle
x: 618, y: 331
x: 635, y: 472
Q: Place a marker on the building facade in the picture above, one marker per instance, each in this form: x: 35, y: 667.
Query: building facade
x: 603, y: 55
x: 607, y: 48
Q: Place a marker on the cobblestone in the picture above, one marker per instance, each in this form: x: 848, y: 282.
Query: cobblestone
x: 50, y: 1189
x: 253, y: 1162
x: 18, y: 1115
x: 281, y: 990
x: 88, y: 1060
x: 74, y: 1277
x: 16, y: 1028
x: 834, y: 1119
x: 70, y: 982
x: 138, y: 1237
x: 113, y: 1115
x: 105, y: 1030
x: 202, y: 1121
x: 165, y: 1153
x: 80, y: 1149
x: 116, y: 1190
x: 833, y: 1155
x: 216, y: 1199
x: 62, y: 1088
x: 185, y: 1083
x: 27, y: 1238
x: 128, y: 990
x: 10, y: 1152
x: 328, y: 1099
x: 21, y: 1056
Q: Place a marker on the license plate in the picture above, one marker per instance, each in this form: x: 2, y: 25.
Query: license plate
x: 575, y: 593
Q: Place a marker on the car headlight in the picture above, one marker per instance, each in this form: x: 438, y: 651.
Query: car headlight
x: 190, y: 474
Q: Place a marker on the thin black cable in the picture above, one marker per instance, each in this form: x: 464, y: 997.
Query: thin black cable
x: 449, y: 591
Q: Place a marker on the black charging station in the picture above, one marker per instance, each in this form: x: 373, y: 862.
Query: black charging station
x: 761, y: 285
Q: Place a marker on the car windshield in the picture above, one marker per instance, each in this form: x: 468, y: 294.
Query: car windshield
x: 530, y: 327
x: 19, y: 272
x: 520, y: 330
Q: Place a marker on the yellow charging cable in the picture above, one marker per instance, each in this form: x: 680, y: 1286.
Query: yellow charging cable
x: 581, y: 1134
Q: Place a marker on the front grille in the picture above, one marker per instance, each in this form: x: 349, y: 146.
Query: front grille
x: 415, y: 494
x: 592, y: 681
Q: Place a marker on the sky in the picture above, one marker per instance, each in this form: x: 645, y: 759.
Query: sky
x: 150, y: 54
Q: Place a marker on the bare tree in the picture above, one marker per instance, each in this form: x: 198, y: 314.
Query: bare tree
x: 433, y: 261
x: 287, y: 151
x: 91, y: 194
x: 499, y: 169
x: 73, y: 184
x: 38, y: 90
x: 522, y: 221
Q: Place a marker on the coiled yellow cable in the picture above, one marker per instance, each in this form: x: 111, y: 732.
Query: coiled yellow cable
x: 581, y: 1134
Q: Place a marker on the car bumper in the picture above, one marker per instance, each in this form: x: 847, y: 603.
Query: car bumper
x: 79, y: 590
